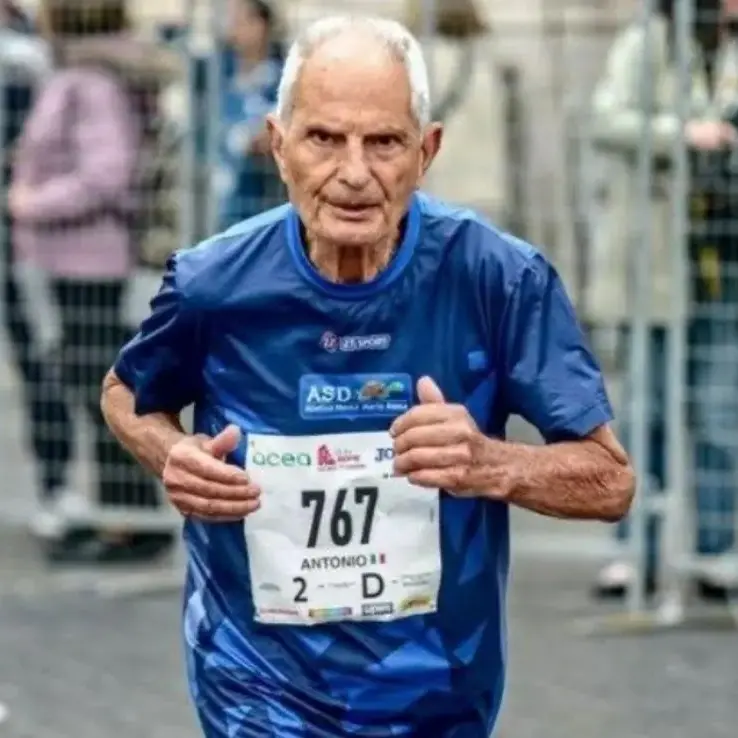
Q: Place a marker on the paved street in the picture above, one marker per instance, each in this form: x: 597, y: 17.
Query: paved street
x: 75, y: 663
x: 85, y: 667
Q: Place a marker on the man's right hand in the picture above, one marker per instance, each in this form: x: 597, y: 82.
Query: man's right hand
x: 201, y: 484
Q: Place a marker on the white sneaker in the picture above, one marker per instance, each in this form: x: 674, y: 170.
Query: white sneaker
x: 53, y: 518
x: 73, y: 507
x: 46, y: 523
x: 614, y: 580
x: 615, y: 575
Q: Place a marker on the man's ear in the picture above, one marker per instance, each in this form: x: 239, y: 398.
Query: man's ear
x: 432, y: 139
x: 275, y: 129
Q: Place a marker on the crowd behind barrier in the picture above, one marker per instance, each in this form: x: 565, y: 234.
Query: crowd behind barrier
x: 588, y: 161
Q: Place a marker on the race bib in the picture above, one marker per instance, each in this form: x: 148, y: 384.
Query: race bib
x: 337, y: 537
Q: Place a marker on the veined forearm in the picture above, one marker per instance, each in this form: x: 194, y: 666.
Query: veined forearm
x: 576, y: 480
x: 149, y: 438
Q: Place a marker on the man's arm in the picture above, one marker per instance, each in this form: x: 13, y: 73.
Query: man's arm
x: 587, y: 479
x: 158, y: 373
x: 149, y: 438
x: 198, y: 481
x: 552, y: 379
x: 547, y: 375
x: 439, y: 445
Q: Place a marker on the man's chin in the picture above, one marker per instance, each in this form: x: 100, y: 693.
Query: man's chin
x: 355, y: 234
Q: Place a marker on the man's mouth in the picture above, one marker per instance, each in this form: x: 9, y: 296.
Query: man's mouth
x: 353, y: 211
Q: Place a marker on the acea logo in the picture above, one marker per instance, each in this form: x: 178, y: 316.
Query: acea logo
x: 273, y: 459
x: 354, y: 395
x: 376, y: 342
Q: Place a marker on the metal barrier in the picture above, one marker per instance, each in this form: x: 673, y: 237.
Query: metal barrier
x: 553, y: 199
x: 674, y: 362
x: 223, y: 175
x: 74, y: 290
x: 681, y: 324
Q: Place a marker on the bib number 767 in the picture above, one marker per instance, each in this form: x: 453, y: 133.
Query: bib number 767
x: 341, y: 523
x: 341, y: 527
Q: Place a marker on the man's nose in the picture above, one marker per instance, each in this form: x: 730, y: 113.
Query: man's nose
x: 354, y: 171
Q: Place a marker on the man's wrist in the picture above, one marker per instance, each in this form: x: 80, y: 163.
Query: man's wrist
x: 162, y: 434
x: 499, y: 468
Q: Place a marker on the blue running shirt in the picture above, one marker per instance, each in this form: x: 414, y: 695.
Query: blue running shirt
x: 248, y: 330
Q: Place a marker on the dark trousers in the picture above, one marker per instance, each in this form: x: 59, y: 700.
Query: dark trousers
x: 42, y: 400
x: 92, y: 334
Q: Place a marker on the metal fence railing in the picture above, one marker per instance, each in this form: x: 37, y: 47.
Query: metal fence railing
x: 74, y: 291
x: 574, y: 123
x: 551, y: 134
x: 671, y: 201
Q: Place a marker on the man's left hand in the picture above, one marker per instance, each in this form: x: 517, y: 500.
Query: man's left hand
x: 436, y: 443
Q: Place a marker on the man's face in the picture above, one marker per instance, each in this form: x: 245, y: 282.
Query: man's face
x: 351, y: 153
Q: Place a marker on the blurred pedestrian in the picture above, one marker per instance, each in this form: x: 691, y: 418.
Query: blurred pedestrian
x: 24, y: 62
x: 247, y: 181
x: 72, y: 202
x: 714, y: 328
x: 618, y: 121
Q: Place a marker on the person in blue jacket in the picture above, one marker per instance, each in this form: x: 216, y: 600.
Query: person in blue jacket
x: 246, y: 181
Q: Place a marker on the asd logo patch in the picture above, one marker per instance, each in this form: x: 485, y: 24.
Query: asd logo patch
x: 354, y: 395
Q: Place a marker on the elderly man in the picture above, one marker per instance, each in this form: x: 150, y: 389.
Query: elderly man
x: 353, y: 358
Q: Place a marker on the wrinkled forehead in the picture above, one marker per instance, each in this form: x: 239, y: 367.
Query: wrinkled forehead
x: 354, y: 81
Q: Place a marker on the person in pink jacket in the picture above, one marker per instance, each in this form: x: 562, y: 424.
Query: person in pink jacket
x: 71, y: 198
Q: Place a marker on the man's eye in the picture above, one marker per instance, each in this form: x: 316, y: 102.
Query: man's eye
x: 385, y: 141
x: 321, y: 137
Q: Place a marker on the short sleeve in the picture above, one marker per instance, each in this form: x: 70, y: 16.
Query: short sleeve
x: 551, y: 376
x: 162, y: 364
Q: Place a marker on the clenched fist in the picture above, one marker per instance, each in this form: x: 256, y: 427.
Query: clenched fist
x: 437, y: 444
x: 202, y: 485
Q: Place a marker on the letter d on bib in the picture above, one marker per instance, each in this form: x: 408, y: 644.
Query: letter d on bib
x: 372, y: 586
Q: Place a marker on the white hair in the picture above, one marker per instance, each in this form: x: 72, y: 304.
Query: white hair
x: 393, y: 36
